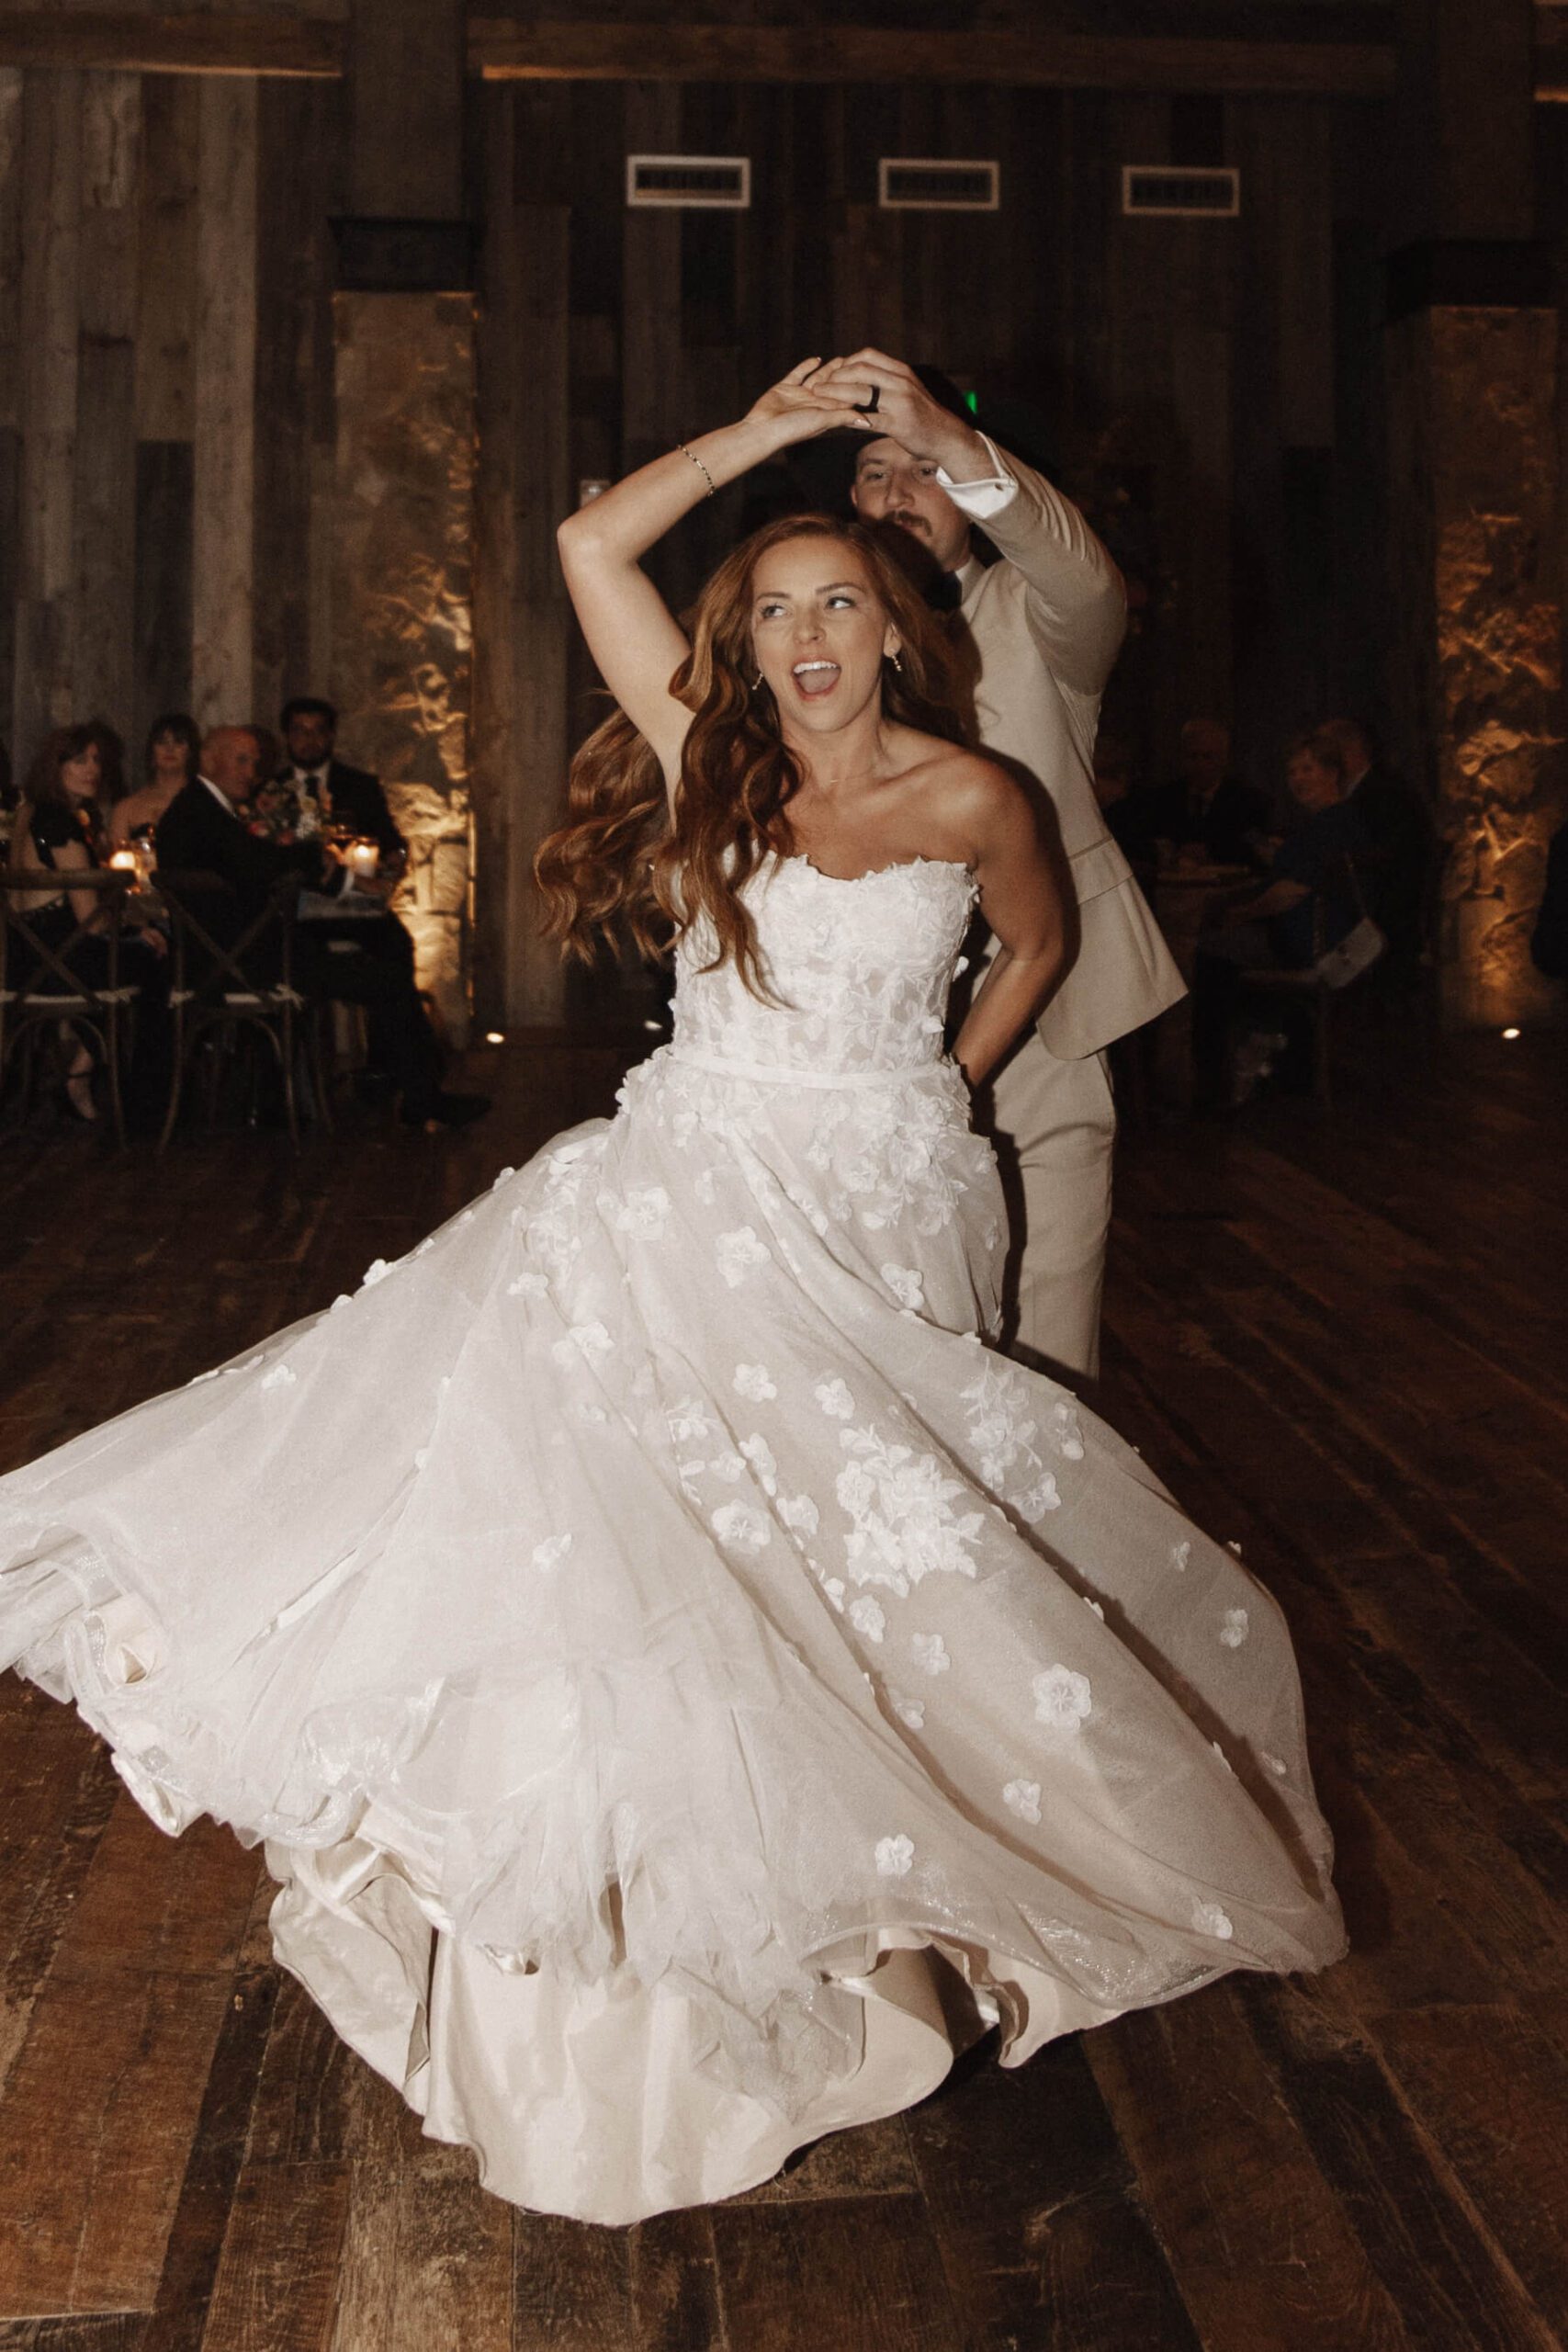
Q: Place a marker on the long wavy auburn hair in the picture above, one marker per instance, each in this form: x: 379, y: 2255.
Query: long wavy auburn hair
x: 620, y: 862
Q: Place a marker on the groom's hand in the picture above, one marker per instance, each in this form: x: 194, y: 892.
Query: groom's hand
x: 891, y: 399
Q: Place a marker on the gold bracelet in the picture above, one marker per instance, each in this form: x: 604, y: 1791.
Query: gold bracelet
x: 710, y: 491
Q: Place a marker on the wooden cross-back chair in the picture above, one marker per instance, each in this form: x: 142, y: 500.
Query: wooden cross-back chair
x: 1308, y: 989
x: 39, y: 991
x: 230, y: 975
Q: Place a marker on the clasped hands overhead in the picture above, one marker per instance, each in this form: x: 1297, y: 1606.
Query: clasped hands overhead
x: 872, y: 391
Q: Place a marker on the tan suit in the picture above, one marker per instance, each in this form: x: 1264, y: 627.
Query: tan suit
x: 1048, y: 622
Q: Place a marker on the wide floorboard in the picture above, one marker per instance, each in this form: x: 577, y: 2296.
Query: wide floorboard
x: 1340, y: 1338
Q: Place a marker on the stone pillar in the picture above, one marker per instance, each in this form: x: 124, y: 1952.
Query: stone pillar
x: 1475, y: 522
x: 402, y: 625
x: 402, y: 614
x: 1475, y: 513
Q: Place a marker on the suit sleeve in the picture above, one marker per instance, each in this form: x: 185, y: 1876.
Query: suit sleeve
x: 386, y: 830
x: 375, y: 817
x: 222, y: 845
x: 1076, y: 605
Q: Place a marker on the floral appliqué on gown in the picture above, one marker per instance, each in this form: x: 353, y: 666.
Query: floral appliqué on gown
x: 686, y: 1680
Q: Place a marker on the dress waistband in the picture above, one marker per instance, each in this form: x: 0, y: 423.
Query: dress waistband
x: 788, y: 1074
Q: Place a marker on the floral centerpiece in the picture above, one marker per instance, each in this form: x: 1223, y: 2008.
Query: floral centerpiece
x: 279, y: 813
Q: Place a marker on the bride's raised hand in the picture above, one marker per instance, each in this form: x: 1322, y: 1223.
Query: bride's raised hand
x: 631, y: 634
x: 806, y: 401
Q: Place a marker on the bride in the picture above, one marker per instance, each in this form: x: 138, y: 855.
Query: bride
x: 696, y: 1683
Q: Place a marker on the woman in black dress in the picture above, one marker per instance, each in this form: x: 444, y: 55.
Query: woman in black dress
x: 62, y: 824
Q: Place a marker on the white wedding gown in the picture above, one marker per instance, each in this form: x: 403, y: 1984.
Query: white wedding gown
x: 687, y: 1681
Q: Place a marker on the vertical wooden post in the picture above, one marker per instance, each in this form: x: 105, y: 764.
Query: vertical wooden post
x: 650, y: 332
x: 540, y: 627
x: 52, y: 242
x: 165, y: 397
x: 103, y: 518
x: 222, y: 562
x: 10, y: 384
x: 1463, y: 148
x: 407, y: 60
x: 520, y: 614
x: 401, y: 622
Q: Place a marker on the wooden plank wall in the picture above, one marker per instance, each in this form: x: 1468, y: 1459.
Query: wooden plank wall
x: 10, y: 385
x: 166, y: 427
x: 165, y: 396
x: 1185, y: 377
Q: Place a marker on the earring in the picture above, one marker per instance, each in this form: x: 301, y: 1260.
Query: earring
x: 896, y: 657
x: 756, y: 682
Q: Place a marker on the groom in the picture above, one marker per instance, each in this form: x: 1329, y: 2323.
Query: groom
x: 1047, y: 622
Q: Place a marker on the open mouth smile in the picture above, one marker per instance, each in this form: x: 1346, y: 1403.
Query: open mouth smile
x: 814, y: 679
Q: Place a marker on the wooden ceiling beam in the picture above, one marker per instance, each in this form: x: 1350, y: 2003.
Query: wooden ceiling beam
x: 1550, y: 58
x: 123, y: 41
x: 508, y: 49
x: 505, y: 48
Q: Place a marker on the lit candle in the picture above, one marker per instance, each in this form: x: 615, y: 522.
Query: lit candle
x: 124, y: 861
x: 364, y: 857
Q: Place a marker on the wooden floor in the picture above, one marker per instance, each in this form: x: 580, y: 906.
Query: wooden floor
x: 1339, y: 1342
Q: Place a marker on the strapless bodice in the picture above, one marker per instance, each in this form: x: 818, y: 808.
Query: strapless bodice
x: 859, y: 970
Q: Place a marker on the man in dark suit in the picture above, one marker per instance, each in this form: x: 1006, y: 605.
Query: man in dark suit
x: 342, y: 795
x: 204, y: 831
x: 1205, y: 808
x: 1396, y: 867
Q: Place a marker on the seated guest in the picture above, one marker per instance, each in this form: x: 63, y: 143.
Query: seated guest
x: 354, y: 914
x: 1399, y: 856
x: 1126, y: 812
x: 338, y: 793
x: 1205, y: 810
x: 205, y: 831
x: 60, y: 824
x: 313, y: 788
x: 1310, y: 898
x: 59, y: 821
x: 173, y: 744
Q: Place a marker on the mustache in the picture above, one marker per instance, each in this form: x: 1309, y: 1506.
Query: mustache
x: 906, y: 521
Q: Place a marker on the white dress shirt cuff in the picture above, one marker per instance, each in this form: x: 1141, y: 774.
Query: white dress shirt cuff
x: 986, y: 497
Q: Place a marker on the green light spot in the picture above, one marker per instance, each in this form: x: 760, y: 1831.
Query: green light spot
x: 972, y: 402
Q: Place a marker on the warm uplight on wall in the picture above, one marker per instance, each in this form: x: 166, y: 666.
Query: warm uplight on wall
x: 1510, y: 1033
x: 495, y: 1036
